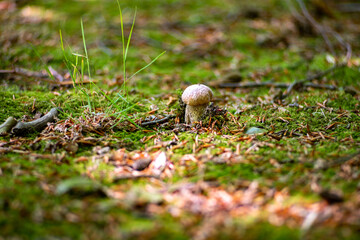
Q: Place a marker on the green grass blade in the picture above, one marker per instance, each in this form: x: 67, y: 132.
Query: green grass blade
x: 85, y: 49
x: 147, y: 65
x: 121, y: 113
x: 87, y: 59
x: 131, y: 31
x: 62, y: 46
x: 122, y: 40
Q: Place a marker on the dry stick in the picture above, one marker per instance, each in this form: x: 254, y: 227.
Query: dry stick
x: 7, y: 125
x: 343, y: 43
x: 349, y: 7
x: 25, y: 72
x: 275, y: 85
x: 24, y: 128
x: 323, y: 31
x: 309, y: 79
x: 253, y: 85
x: 56, y: 75
x: 43, y: 76
x: 165, y: 119
x: 345, y: 159
x: 326, y: 30
x: 318, y: 27
x: 126, y: 177
x: 341, y: 160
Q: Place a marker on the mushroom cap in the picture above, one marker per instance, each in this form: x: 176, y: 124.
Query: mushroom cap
x: 197, y: 94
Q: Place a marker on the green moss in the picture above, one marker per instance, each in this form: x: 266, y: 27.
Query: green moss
x: 29, y: 209
x: 228, y: 174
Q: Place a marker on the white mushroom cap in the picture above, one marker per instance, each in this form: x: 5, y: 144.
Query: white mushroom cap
x: 197, y: 94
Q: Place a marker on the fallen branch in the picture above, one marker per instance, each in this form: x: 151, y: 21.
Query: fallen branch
x: 165, y: 119
x: 24, y: 128
x: 7, y: 125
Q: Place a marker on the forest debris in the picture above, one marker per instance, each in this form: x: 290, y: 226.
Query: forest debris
x: 163, y: 120
x: 349, y: 7
x: 273, y: 84
x: 299, y: 83
x: 126, y: 177
x: 56, y: 75
x: 252, y: 85
x: 25, y: 72
x: 44, y: 76
x: 7, y: 125
x: 325, y: 31
x: 24, y: 128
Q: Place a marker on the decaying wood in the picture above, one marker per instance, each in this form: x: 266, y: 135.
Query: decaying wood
x: 24, y: 128
x: 7, y: 125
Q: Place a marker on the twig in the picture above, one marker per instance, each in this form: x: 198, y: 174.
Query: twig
x: 43, y: 76
x: 276, y: 85
x: 323, y: 30
x: 56, y: 75
x: 349, y: 7
x: 253, y: 85
x: 344, y: 159
x: 299, y: 83
x: 126, y: 177
x: 317, y: 26
x: 340, y: 161
x: 24, y: 128
x: 165, y: 119
x: 7, y: 125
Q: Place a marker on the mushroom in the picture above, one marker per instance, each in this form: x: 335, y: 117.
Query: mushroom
x: 197, y: 98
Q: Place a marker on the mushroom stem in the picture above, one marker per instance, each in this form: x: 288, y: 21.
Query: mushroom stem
x: 194, y: 113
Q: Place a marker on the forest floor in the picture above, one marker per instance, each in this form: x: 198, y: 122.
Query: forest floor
x: 271, y: 160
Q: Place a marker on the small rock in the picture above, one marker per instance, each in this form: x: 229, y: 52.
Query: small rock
x: 255, y: 130
x: 141, y: 164
x: 320, y: 164
x: 331, y: 197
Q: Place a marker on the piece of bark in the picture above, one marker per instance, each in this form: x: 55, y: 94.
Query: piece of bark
x: 24, y: 128
x: 7, y: 125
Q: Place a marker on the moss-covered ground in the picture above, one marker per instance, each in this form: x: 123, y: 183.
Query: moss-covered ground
x: 78, y: 179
